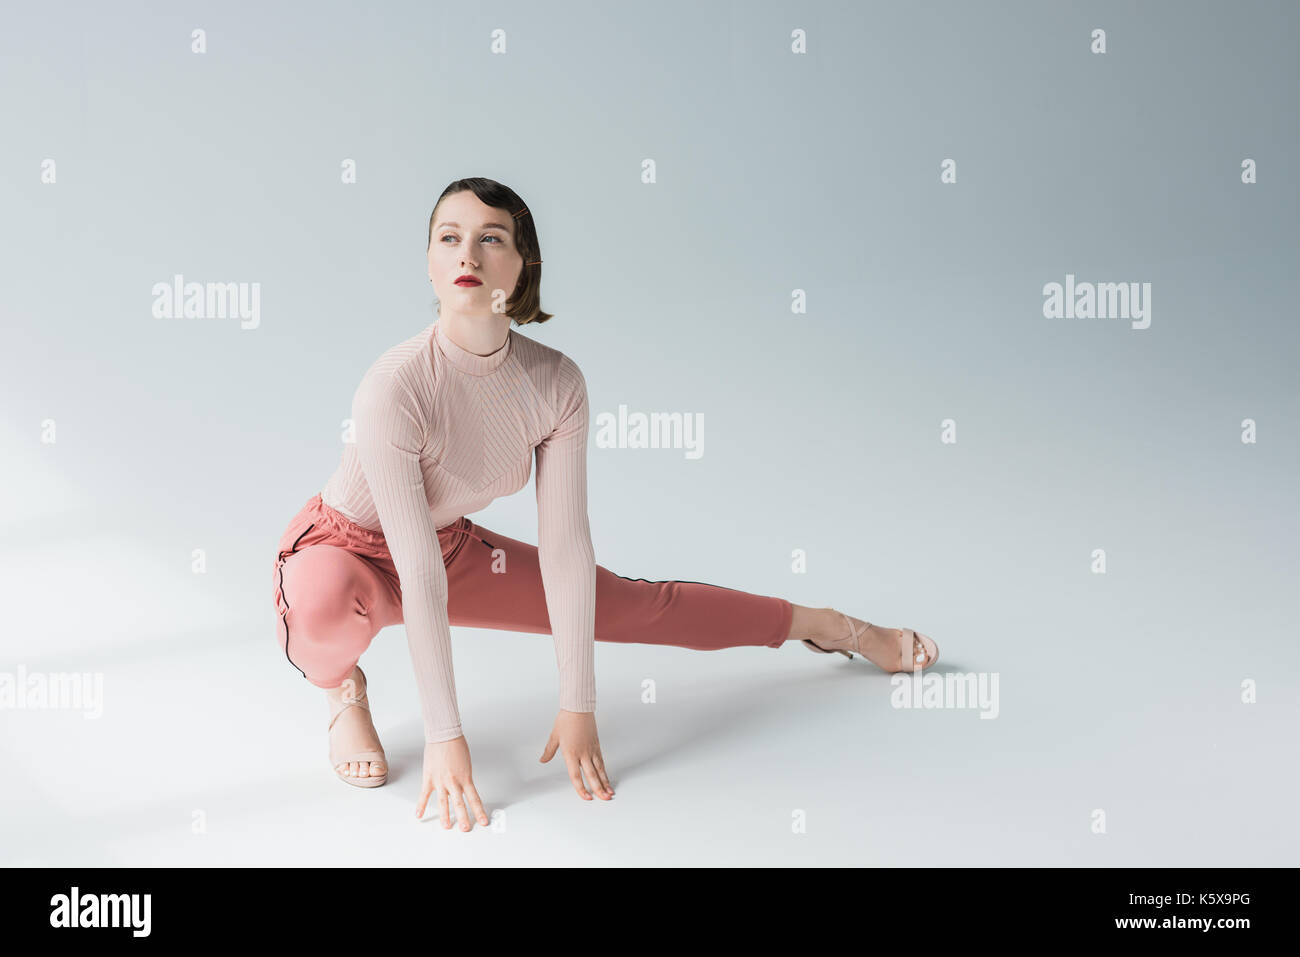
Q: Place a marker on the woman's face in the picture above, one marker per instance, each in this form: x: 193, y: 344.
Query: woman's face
x: 470, y: 237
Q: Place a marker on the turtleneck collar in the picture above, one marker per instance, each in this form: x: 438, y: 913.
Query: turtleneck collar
x: 467, y: 361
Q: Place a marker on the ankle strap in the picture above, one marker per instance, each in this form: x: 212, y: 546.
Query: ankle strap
x: 337, y: 709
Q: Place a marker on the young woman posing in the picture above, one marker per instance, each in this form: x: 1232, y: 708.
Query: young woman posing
x: 445, y: 422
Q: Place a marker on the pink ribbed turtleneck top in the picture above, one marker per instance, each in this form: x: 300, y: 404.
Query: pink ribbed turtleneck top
x: 440, y: 433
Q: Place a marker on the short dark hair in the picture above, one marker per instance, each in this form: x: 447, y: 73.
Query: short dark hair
x: 525, y: 303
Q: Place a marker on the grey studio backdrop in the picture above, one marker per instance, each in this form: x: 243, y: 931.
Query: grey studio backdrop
x: 1145, y: 715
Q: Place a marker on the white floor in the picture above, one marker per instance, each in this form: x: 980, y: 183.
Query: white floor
x: 212, y: 751
x: 1119, y: 703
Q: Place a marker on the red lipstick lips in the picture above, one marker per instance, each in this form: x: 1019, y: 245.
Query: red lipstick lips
x: 468, y: 280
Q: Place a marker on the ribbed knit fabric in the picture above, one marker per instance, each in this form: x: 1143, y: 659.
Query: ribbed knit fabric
x: 440, y: 433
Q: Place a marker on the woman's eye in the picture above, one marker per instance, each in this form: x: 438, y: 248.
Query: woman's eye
x: 447, y: 236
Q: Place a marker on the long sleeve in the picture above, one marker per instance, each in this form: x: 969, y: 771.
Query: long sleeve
x: 389, y: 435
x: 565, y: 552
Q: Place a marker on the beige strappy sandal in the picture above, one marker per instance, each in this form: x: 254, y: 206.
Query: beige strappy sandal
x: 910, y: 658
x: 370, y: 755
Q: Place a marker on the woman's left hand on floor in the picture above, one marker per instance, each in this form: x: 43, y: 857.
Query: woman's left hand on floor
x: 574, y: 735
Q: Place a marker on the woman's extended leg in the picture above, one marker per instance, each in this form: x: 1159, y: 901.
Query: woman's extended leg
x: 494, y: 581
x: 487, y: 588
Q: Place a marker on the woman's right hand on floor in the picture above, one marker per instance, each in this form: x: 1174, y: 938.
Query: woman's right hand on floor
x: 447, y: 771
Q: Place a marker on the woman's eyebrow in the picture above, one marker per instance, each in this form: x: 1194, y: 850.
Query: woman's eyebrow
x: 485, y: 226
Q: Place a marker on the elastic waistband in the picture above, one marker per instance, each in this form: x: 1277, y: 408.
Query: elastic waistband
x: 337, y: 519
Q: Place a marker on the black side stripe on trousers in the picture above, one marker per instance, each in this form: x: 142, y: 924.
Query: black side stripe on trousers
x: 684, y: 581
x: 465, y: 531
x: 284, y: 615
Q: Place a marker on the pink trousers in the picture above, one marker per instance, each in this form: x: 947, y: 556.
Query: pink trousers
x: 336, y: 587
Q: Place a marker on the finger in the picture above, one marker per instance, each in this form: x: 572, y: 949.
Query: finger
x: 443, y: 812
x: 597, y: 760
x: 575, y: 775
x: 594, y: 778
x: 476, y: 802
x: 461, y: 811
x: 549, y: 751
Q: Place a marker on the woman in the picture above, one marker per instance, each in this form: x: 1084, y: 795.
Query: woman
x: 445, y: 422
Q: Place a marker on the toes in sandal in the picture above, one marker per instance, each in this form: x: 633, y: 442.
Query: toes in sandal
x: 336, y: 709
x: 921, y: 658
